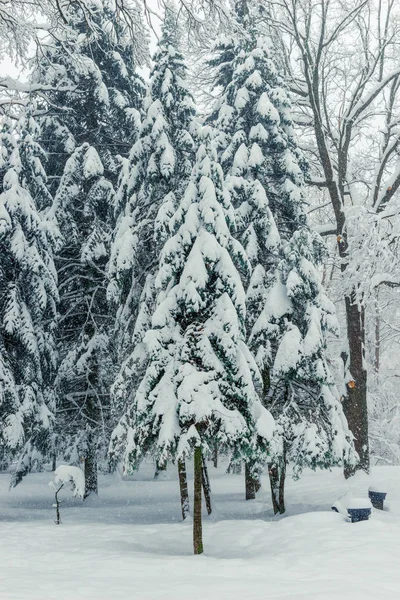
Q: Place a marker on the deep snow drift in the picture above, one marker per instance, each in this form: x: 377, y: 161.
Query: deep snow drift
x: 130, y: 544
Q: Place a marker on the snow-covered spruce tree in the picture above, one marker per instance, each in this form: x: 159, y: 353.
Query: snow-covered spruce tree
x: 152, y: 184
x: 93, y: 94
x: 198, y: 386
x: 91, y: 106
x: 28, y: 300
x: 82, y: 208
x: 311, y: 429
x: 265, y: 174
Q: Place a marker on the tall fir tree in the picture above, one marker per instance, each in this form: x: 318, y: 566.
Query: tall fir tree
x: 28, y: 302
x: 82, y: 209
x: 151, y: 186
x: 285, y: 302
x: 199, y: 383
x: 91, y: 113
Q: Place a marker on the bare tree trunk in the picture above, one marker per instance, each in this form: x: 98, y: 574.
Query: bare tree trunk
x: 160, y: 468
x: 197, y: 522
x: 215, y: 455
x: 277, y: 476
x: 185, y: 505
x: 91, y: 480
x: 250, y: 483
x: 355, y: 402
x: 235, y: 468
x: 54, y: 461
x: 377, y: 363
x: 206, y: 486
x: 57, y: 520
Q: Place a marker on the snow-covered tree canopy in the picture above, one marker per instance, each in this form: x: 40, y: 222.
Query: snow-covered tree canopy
x: 92, y: 92
x: 199, y: 383
x: 151, y: 186
x: 28, y: 298
x: 288, y: 313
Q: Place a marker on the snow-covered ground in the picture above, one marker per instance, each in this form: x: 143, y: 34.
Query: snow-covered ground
x: 130, y: 544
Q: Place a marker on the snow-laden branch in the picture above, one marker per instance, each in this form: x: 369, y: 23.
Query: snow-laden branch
x: 391, y: 187
x: 384, y: 279
x: 365, y: 101
x: 13, y: 85
x: 327, y: 229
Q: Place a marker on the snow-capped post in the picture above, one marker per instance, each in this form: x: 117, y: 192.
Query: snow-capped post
x: 359, y: 514
x: 377, y: 497
x: 356, y: 509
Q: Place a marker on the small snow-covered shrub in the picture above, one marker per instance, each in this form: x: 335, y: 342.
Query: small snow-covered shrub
x: 67, y: 474
x: 74, y: 475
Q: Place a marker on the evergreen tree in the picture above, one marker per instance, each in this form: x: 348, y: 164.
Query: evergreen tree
x: 265, y: 174
x: 82, y: 208
x: 92, y: 105
x: 199, y: 383
x: 151, y: 186
x: 93, y: 93
x: 28, y: 300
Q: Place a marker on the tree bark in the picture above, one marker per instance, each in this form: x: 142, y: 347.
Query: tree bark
x: 185, y: 505
x: 250, y: 483
x: 57, y: 520
x: 235, y: 468
x: 91, y: 480
x: 377, y: 362
x: 277, y: 476
x: 355, y: 402
x: 197, y: 522
x: 160, y: 468
x: 206, y: 486
x: 215, y: 455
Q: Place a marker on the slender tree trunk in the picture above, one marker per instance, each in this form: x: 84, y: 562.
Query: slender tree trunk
x: 91, y: 481
x: 277, y: 476
x: 206, y: 486
x: 235, y: 468
x: 215, y: 455
x: 160, y: 469
x: 250, y: 483
x: 57, y: 505
x: 54, y: 461
x: 377, y: 363
x: 197, y: 523
x: 185, y: 506
x: 355, y: 402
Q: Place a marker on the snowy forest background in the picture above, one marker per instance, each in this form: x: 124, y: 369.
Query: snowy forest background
x: 199, y: 248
